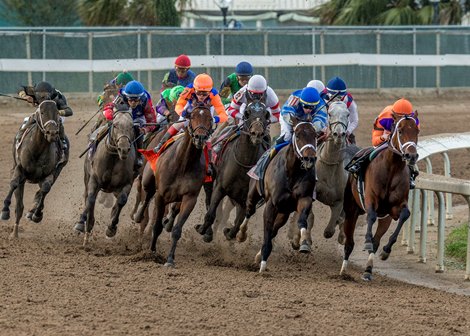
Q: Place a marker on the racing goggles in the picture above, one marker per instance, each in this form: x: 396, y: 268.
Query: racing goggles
x: 202, y: 93
x: 307, y: 106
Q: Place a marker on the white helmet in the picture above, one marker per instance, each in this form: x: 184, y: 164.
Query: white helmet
x: 316, y: 84
x: 257, y: 84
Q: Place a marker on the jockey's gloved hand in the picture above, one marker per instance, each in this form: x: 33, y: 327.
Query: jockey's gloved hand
x: 62, y: 113
x: 385, y: 136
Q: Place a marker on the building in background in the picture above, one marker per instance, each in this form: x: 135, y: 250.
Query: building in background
x: 248, y: 13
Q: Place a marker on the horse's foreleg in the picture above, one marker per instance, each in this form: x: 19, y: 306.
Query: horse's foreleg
x: 169, y: 219
x: 14, y: 183
x: 351, y: 213
x: 80, y: 225
x: 273, y: 221
x: 404, y: 215
x: 138, y: 195
x: 208, y: 187
x: 304, y: 209
x: 19, y: 193
x: 187, y: 205
x: 121, y: 200
x: 206, y: 228
x: 335, y: 214
x: 223, y: 213
x: 371, y: 218
x: 93, y: 190
x: 157, y: 225
x: 252, y: 200
x: 45, y: 188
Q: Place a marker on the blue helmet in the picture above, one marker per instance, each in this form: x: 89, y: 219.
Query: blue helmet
x: 309, y: 97
x: 244, y: 69
x: 133, y: 89
x: 336, y: 85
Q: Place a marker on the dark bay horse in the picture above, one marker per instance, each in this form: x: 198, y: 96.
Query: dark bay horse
x: 289, y: 182
x: 179, y: 176
x: 239, y: 156
x: 111, y: 170
x: 386, y: 187
x: 36, y: 161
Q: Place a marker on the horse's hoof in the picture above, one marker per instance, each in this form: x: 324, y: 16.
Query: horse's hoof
x: 305, y: 247
x: 341, y: 239
x: 241, y: 236
x: 79, y: 227
x: 384, y: 255
x: 295, y: 246
x: 36, y: 218
x: 111, y: 231
x: 227, y: 234
x: 5, y: 215
x: 368, y: 247
x: 167, y: 224
x: 169, y: 264
x: 198, y: 227
x: 207, y: 238
x: 29, y: 215
x: 328, y: 234
x: 367, y: 276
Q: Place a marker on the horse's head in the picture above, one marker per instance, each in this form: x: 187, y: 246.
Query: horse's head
x: 110, y: 92
x: 256, y: 119
x: 47, y: 118
x: 338, y: 121
x: 405, y: 137
x: 121, y: 134
x: 304, y: 141
x: 200, y: 125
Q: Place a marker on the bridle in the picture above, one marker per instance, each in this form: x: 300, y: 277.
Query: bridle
x: 199, y: 141
x: 111, y: 143
x: 402, y: 147
x: 306, y: 162
x: 38, y: 116
x: 258, y: 107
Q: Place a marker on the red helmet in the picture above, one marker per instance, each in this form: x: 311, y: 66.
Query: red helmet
x: 183, y: 61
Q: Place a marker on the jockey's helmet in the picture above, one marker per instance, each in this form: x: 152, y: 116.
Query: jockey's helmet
x: 336, y: 85
x: 175, y: 93
x: 244, y: 69
x: 402, y: 106
x: 257, y: 84
x: 123, y: 78
x: 133, y: 90
x: 182, y: 61
x: 309, y: 98
x: 203, y: 82
x: 316, y: 84
x: 43, y: 91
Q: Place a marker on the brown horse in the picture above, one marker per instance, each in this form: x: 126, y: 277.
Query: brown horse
x: 386, y: 187
x: 179, y: 175
x: 289, y: 182
x: 111, y: 170
x: 232, y: 166
x: 36, y: 161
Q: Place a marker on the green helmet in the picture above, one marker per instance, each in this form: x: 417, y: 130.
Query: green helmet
x: 123, y: 78
x: 166, y: 94
x: 175, y: 92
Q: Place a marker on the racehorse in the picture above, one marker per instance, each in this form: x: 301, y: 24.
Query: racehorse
x: 385, y: 196
x: 36, y: 160
x: 332, y: 157
x: 288, y: 184
x: 232, y: 165
x: 180, y: 173
x: 109, y: 169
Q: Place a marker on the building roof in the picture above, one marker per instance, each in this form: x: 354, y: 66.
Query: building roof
x: 257, y: 5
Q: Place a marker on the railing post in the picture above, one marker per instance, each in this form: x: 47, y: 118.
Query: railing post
x: 467, y: 268
x: 414, y: 54
x: 28, y: 56
x: 414, y: 219
x: 322, y: 51
x: 149, y: 56
x: 266, y: 53
x: 378, y: 41
x: 314, y: 68
x: 208, y: 52
x: 139, y: 53
x: 449, y: 211
x: 438, y: 68
x: 424, y: 227
x: 90, y: 58
x: 44, y: 51
x: 431, y: 198
x: 440, y: 232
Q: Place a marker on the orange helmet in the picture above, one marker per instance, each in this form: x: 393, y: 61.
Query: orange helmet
x: 203, y: 82
x: 402, y: 106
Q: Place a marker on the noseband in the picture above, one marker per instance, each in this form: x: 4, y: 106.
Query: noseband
x: 111, y: 144
x: 191, y: 130
x: 42, y: 126
x: 306, y: 162
x: 258, y: 108
x: 402, y: 147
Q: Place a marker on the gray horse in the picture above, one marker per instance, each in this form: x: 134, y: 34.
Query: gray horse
x: 36, y: 160
x: 110, y: 169
x: 332, y: 157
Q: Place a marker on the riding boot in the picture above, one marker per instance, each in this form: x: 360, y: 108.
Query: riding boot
x: 139, y: 142
x: 62, y: 143
x: 413, y: 174
x: 164, y: 139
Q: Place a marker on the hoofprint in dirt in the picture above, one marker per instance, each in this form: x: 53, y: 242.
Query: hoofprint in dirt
x: 50, y: 285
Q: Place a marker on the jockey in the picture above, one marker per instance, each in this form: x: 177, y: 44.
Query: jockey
x: 382, y: 130
x: 35, y: 95
x: 320, y: 87
x: 199, y: 92
x: 167, y: 102
x: 139, y: 101
x: 305, y: 105
x: 119, y: 81
x: 336, y: 90
x: 235, y: 81
x: 180, y: 75
x: 256, y: 88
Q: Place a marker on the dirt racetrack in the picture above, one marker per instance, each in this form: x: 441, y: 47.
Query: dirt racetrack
x: 50, y: 285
